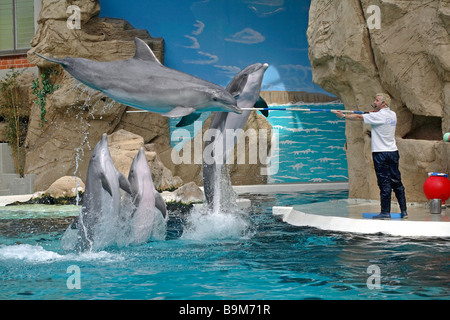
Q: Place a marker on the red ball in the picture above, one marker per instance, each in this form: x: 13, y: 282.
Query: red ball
x: 437, y: 186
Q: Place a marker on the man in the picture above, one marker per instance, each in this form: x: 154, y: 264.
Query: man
x: 384, y: 153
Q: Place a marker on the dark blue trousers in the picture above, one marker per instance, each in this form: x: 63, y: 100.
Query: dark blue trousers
x: 389, y: 178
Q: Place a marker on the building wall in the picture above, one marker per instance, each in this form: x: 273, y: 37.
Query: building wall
x: 16, y: 61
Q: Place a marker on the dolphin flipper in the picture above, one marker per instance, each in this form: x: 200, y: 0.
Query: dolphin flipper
x: 124, y: 183
x: 187, y: 120
x: 179, y: 112
x: 105, y: 183
x: 160, y: 204
x: 261, y: 103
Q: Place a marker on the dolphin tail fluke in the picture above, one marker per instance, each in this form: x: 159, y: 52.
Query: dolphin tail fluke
x: 262, y: 104
x: 58, y: 61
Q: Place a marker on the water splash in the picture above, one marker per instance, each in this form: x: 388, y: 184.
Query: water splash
x: 85, y: 94
x: 225, y: 220
x: 121, y: 231
x: 78, y: 151
x: 225, y: 197
x: 203, y: 225
x: 37, y: 254
x: 130, y: 231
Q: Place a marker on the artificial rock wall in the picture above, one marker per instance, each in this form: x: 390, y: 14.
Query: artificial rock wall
x: 407, y: 57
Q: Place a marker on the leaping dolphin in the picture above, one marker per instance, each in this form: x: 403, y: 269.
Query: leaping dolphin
x: 101, y: 200
x: 246, y: 86
x: 144, y: 83
x: 150, y: 213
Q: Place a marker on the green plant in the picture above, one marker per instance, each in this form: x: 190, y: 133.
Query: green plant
x: 41, y: 93
x: 15, y: 118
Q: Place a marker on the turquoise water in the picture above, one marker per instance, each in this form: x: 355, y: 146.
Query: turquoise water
x: 240, y: 255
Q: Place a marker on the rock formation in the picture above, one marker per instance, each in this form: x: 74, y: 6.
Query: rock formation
x: 286, y: 97
x: 187, y: 194
x: 63, y: 187
x: 408, y: 56
x: 124, y: 146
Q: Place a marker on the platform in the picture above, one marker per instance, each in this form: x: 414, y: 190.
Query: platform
x: 4, y: 200
x: 347, y: 216
x: 240, y: 203
x: 291, y: 187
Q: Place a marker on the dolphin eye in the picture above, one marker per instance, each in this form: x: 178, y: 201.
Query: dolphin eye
x: 215, y: 99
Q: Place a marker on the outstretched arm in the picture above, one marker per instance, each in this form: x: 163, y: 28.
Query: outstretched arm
x: 351, y: 116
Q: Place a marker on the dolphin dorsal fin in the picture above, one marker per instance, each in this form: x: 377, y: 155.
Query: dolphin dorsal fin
x: 143, y: 51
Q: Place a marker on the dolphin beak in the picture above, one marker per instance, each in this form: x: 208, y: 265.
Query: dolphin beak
x: 141, y: 152
x: 265, y: 66
x: 58, y: 61
x: 231, y: 105
x: 236, y: 108
x: 104, y: 139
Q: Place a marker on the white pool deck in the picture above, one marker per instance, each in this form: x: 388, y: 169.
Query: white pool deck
x: 338, y: 215
x: 346, y: 216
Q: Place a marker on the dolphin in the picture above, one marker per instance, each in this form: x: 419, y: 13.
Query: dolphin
x: 245, y: 86
x: 144, y: 83
x: 150, y: 212
x: 101, y: 200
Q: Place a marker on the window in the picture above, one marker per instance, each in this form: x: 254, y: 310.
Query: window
x: 16, y: 25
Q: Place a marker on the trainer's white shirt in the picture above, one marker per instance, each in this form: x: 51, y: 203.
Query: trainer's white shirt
x: 383, y: 125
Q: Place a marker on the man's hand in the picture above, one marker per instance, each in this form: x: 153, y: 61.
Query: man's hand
x: 350, y: 116
x: 339, y: 114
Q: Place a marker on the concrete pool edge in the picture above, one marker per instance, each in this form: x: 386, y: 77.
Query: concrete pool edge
x: 291, y: 187
x: 5, y: 200
x: 395, y: 227
x: 239, y: 189
x: 296, y: 217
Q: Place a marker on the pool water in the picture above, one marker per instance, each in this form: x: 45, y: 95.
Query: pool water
x: 240, y: 255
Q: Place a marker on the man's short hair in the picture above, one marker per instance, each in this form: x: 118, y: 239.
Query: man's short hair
x: 385, y: 97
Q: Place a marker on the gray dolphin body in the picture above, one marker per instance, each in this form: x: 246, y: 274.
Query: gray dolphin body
x: 101, y: 201
x: 144, y: 83
x: 149, y: 216
x: 246, y: 86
